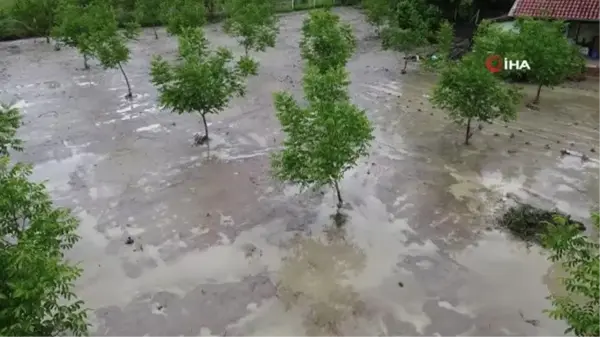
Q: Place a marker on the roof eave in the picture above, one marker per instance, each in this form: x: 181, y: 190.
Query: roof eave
x: 553, y: 18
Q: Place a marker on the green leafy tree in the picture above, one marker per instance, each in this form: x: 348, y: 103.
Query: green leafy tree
x: 409, y: 27
x: 324, y: 139
x: 73, y: 26
x: 203, y: 81
x: 550, y: 55
x: 326, y: 43
x: 181, y: 14
x: 579, y: 257
x: 492, y: 39
x: 468, y: 91
x: 36, y: 296
x: 10, y: 120
x: 36, y: 284
x: 252, y: 22
x: 36, y: 16
x: 150, y: 12
x: 106, y: 41
x: 377, y: 12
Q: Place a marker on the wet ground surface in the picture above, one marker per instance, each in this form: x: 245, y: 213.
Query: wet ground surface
x: 219, y: 248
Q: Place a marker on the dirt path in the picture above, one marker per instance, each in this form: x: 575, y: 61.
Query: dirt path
x: 220, y: 248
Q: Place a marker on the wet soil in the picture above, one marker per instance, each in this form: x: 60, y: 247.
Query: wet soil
x: 220, y: 248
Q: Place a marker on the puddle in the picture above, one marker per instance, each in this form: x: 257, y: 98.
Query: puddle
x: 59, y: 175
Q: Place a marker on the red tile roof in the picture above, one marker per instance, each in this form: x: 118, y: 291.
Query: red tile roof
x: 558, y: 9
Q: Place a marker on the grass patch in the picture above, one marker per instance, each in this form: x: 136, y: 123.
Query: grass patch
x: 528, y: 223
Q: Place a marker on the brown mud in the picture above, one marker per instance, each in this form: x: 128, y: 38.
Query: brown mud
x: 219, y: 248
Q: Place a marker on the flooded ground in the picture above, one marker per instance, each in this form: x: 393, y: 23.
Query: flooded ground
x: 219, y: 248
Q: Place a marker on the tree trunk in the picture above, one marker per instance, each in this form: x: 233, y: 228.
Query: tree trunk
x: 48, y: 39
x: 205, y: 126
x: 339, y: 195
x: 405, y: 64
x: 246, y: 50
x: 129, y: 93
x: 155, y: 33
x: 536, y: 100
x: 468, y: 134
x: 86, y: 66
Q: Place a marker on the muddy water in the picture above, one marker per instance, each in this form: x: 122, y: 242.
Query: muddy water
x: 221, y: 248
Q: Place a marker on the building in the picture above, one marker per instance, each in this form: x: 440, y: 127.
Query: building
x: 582, y: 17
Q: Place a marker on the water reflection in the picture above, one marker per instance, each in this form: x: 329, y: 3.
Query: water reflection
x: 315, y: 276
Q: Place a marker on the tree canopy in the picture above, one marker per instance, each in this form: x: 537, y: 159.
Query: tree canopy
x: 467, y: 91
x: 252, y: 22
x: 551, y: 56
x: 149, y: 12
x: 36, y: 16
x: 181, y: 14
x: 214, y: 73
x: 323, y: 139
x: 326, y: 43
x: 108, y: 43
x: 36, y: 283
x: 326, y: 137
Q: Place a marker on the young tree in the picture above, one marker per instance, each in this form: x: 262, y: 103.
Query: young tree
x: 36, y: 16
x: 579, y: 257
x: 149, y: 12
x: 377, y: 12
x: 73, y: 25
x: 252, y: 22
x: 107, y: 42
x: 409, y: 27
x: 324, y: 139
x: 203, y: 81
x: 10, y: 120
x: 468, y: 91
x: 326, y: 42
x: 180, y: 14
x: 550, y: 55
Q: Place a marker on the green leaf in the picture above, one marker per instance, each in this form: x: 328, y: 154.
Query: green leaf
x: 34, y: 235
x: 10, y: 120
x: 579, y: 256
